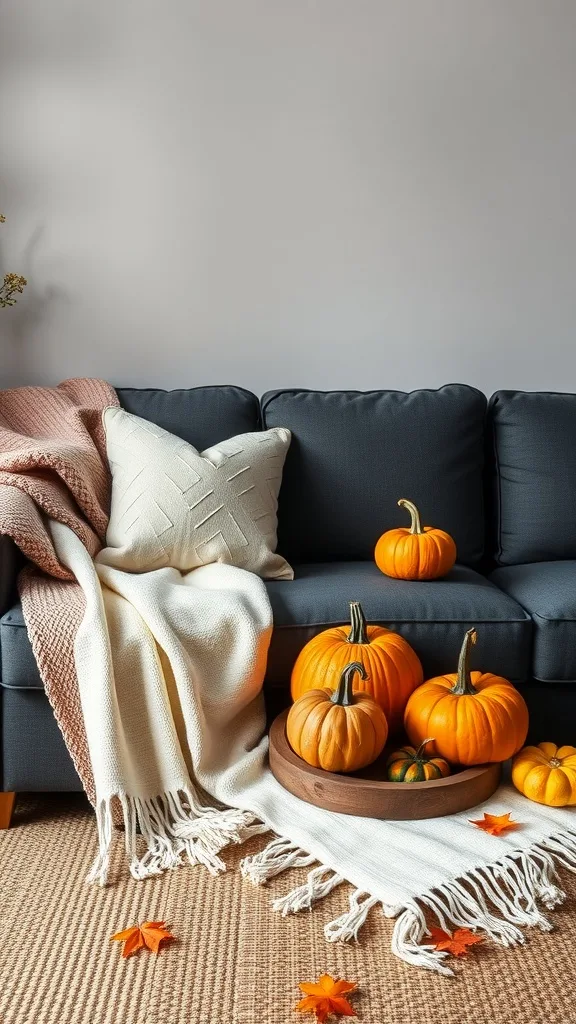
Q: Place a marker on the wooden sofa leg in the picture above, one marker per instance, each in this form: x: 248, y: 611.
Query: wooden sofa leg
x: 7, y: 801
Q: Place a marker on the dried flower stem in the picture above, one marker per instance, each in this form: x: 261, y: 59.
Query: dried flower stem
x: 12, y: 285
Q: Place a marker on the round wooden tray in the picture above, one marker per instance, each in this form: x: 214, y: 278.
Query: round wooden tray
x: 368, y: 795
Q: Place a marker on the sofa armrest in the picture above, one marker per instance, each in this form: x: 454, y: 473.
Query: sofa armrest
x: 10, y: 562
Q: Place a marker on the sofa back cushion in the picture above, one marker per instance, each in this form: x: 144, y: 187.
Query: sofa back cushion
x: 354, y: 454
x: 534, y: 443
x: 202, y: 416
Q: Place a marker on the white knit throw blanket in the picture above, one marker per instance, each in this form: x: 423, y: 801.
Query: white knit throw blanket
x: 170, y: 670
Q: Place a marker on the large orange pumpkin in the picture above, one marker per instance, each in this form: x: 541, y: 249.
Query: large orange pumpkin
x: 393, y: 668
x: 415, y: 552
x: 337, y: 730
x: 474, y: 717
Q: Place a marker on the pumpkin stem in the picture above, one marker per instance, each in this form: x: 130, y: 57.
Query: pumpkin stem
x: 463, y: 684
x: 343, y: 695
x: 415, y: 525
x: 418, y: 755
x: 357, y: 634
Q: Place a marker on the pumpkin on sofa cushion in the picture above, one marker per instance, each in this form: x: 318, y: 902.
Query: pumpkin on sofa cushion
x: 416, y: 552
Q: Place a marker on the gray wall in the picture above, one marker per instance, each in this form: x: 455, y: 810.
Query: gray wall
x: 333, y: 193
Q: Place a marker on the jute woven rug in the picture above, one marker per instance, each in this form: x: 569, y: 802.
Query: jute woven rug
x: 236, y: 962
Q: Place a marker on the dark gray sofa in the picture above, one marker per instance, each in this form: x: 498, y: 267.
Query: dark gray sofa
x: 499, y: 476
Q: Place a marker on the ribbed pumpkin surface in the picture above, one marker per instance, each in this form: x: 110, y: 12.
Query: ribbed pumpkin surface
x: 393, y: 668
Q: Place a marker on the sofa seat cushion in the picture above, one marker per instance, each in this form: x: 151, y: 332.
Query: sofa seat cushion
x: 354, y: 454
x: 432, y: 616
x: 547, y: 590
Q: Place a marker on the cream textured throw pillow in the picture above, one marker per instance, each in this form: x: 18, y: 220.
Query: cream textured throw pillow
x: 174, y: 506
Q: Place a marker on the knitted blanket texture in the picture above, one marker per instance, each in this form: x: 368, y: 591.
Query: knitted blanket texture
x: 53, y: 466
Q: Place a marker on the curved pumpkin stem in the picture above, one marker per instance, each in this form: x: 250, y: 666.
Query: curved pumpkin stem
x: 463, y: 684
x: 418, y: 756
x: 343, y: 695
x: 358, y: 633
x: 415, y: 525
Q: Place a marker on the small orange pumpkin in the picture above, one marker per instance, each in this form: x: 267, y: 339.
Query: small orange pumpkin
x: 411, y: 765
x: 474, y: 717
x: 337, y: 730
x: 546, y: 774
x: 393, y: 668
x: 415, y: 552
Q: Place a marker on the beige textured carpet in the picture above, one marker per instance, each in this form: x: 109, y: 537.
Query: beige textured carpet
x: 235, y: 962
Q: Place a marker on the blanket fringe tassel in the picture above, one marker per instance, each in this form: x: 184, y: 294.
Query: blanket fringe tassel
x: 498, y: 899
x: 173, y: 827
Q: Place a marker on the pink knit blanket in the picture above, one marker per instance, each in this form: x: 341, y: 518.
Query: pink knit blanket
x: 53, y: 465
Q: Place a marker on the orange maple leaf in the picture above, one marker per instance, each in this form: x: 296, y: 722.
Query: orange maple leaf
x: 326, y: 996
x: 148, y: 935
x: 457, y: 944
x: 496, y: 824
